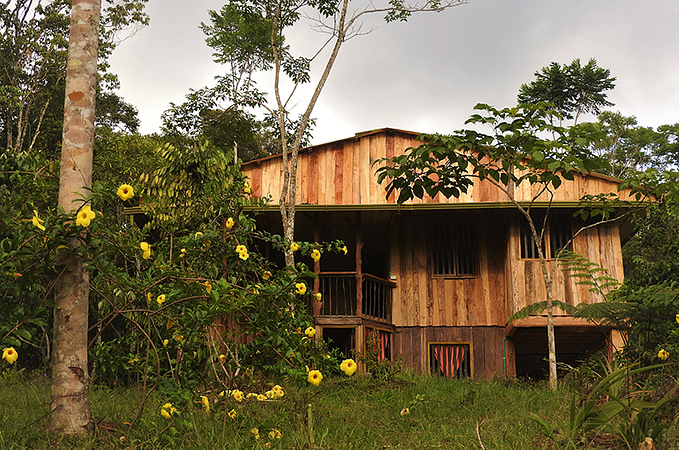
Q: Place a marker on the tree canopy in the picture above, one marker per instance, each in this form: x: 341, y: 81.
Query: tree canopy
x: 573, y: 89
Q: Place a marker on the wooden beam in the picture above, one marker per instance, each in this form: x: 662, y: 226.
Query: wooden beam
x: 338, y: 320
x: 541, y: 321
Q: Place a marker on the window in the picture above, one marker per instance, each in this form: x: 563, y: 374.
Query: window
x: 454, y: 249
x: 558, y: 236
x: 378, y: 342
x: 451, y: 360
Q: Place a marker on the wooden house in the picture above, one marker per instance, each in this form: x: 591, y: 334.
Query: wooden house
x: 435, y: 280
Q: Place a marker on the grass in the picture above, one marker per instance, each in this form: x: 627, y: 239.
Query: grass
x: 346, y: 413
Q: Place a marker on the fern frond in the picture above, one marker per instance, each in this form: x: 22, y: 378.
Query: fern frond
x: 537, y: 309
x: 533, y: 309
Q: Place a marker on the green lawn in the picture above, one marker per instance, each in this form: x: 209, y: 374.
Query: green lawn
x: 347, y: 413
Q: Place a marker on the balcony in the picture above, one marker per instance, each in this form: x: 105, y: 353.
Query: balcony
x: 371, y: 301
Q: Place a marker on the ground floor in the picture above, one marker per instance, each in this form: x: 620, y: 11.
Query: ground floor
x: 485, y: 352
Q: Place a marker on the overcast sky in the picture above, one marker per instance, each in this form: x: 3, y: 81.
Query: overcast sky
x: 427, y: 74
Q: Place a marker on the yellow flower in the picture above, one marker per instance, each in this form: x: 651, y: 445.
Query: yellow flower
x: 198, y: 234
x: 204, y: 400
x: 677, y: 318
x: 182, y: 253
x: 221, y: 358
x: 229, y: 223
x: 149, y: 297
x: 405, y: 411
x: 246, y: 188
x: 301, y: 288
x: 237, y: 395
x: 133, y: 361
x: 85, y: 216
x: 232, y: 414
x: 310, y: 332
x: 348, y: 366
x: 37, y: 221
x: 318, y: 296
x: 161, y: 299
x: 178, y: 338
x: 250, y: 395
x: 146, y: 248
x: 168, y: 410
x: 165, y: 342
x: 314, y: 377
x: 275, y: 434
x: 125, y: 192
x: 663, y: 354
x: 261, y: 397
x: 270, y: 393
x: 278, y: 391
x: 266, y: 275
x: 248, y: 372
x: 344, y: 249
x: 294, y: 247
x: 208, y: 286
x: 255, y: 432
x: 315, y: 255
x: 10, y: 355
x: 242, y: 252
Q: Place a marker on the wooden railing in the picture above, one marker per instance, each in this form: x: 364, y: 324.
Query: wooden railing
x: 341, y: 297
x: 377, y: 295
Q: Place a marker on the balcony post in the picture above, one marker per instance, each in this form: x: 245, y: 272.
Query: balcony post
x: 316, y: 309
x: 359, y: 266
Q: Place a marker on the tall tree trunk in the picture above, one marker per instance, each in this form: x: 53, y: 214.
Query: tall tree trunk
x: 70, y: 402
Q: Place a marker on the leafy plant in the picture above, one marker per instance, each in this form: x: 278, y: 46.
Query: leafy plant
x: 612, y: 404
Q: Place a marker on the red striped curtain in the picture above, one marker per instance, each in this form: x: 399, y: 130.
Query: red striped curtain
x: 381, y: 340
x: 449, y: 357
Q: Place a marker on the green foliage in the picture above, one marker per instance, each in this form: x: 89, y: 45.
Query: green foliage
x: 611, y: 405
x: 538, y: 308
x: 185, y: 302
x: 652, y: 255
x: 33, y: 54
x: 630, y: 147
x: 516, y: 152
x: 573, y: 89
x: 588, y: 272
x: 380, y: 369
x: 26, y: 275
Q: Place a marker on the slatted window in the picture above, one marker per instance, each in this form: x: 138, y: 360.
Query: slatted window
x: 450, y: 360
x: 454, y: 249
x: 560, y: 233
x: 558, y: 236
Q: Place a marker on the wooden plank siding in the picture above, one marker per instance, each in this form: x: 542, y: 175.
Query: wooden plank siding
x: 342, y: 173
x: 526, y: 286
x: 412, y: 345
x: 421, y: 298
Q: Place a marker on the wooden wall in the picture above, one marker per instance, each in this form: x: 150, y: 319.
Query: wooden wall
x: 525, y: 281
x: 342, y: 173
x: 411, y: 344
x: 423, y: 299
